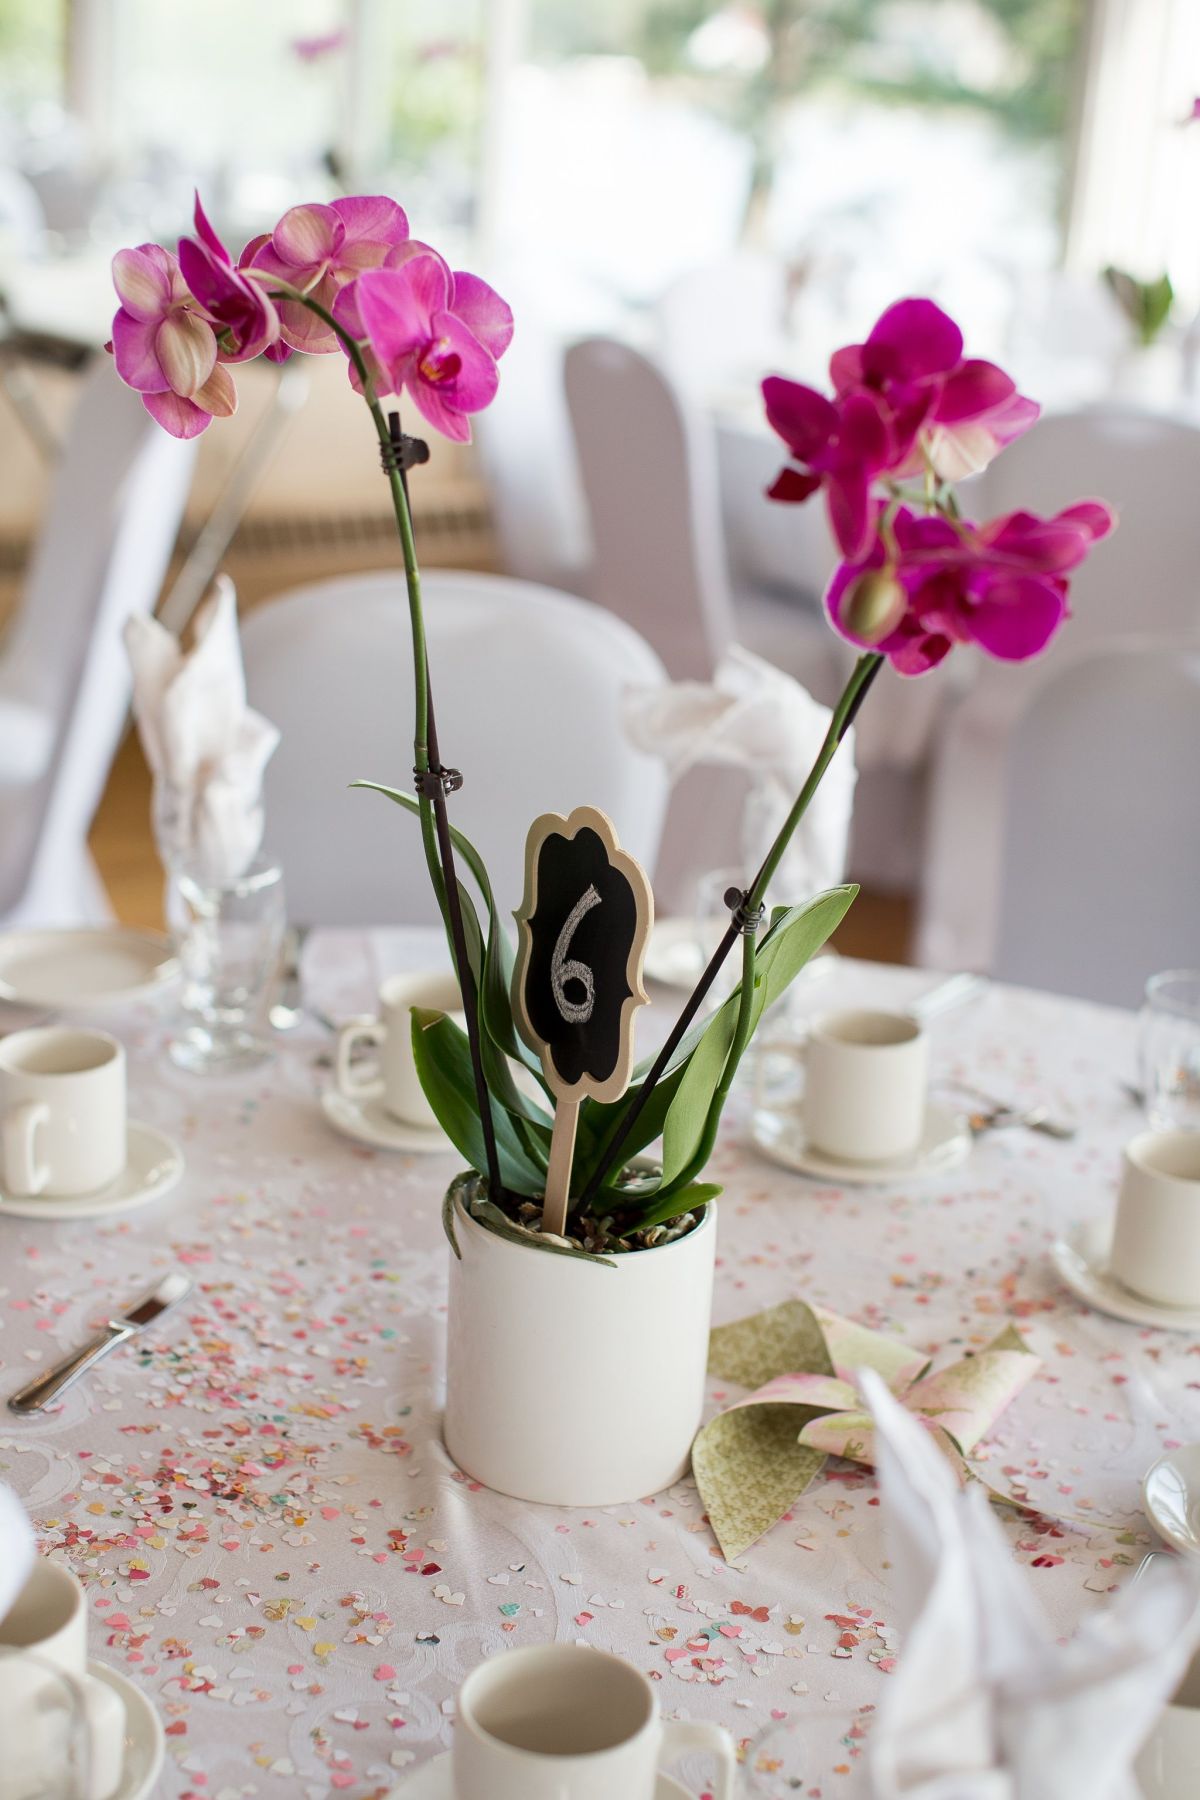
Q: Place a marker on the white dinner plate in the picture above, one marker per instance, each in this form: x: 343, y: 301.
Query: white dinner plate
x: 364, y: 1118
x: 77, y: 967
x: 144, y: 1740
x: 945, y: 1143
x: 432, y: 1782
x: 1081, y: 1258
x: 153, y: 1164
x: 1171, y: 1492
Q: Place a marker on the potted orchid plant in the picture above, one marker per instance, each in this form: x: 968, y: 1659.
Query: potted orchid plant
x: 625, y: 1286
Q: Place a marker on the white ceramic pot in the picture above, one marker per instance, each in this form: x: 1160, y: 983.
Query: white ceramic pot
x: 573, y: 1384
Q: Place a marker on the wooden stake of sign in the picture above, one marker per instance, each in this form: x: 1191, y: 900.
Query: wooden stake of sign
x: 583, y: 926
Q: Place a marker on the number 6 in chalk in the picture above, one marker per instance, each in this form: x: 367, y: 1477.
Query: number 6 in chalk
x: 583, y: 926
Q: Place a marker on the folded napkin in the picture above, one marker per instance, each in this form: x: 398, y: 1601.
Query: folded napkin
x: 754, y: 717
x: 16, y: 1548
x: 753, y: 1461
x: 206, y: 748
x: 985, y: 1704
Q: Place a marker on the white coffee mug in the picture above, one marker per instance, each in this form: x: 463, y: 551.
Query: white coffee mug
x: 1168, y: 1764
x: 403, y: 1096
x: 865, y: 1085
x: 1156, y: 1238
x: 62, y: 1110
x: 566, y: 1722
x: 43, y: 1637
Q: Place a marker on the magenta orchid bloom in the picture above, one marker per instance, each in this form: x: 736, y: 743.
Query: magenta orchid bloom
x: 904, y: 399
x: 164, y: 345
x: 318, y: 249
x: 245, y: 321
x: 1002, y: 585
x: 435, y: 333
x: 842, y: 449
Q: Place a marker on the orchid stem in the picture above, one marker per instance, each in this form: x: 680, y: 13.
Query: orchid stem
x: 435, y: 826
x: 852, y: 697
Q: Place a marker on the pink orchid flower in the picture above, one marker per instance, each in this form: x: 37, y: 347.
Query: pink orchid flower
x: 245, y: 320
x: 1002, y: 585
x: 904, y: 398
x: 164, y: 345
x: 435, y: 333
x: 318, y: 249
x: 842, y: 448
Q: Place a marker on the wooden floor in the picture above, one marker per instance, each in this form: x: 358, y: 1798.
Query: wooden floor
x: 877, y: 925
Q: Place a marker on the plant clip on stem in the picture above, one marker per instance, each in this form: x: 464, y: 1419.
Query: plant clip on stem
x: 398, y: 454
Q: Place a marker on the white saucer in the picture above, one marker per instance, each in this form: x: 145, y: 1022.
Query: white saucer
x: 1081, y: 1259
x: 77, y: 967
x: 1171, y: 1494
x: 432, y: 1782
x: 945, y: 1142
x: 365, y: 1119
x: 153, y: 1164
x: 144, y: 1739
x: 674, y: 957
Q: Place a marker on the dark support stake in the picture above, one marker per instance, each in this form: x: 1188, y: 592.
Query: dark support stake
x: 743, y: 919
x: 434, y: 784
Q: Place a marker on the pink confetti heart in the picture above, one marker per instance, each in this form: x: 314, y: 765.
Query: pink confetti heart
x: 331, y: 1512
x: 385, y: 1672
x: 674, y: 1656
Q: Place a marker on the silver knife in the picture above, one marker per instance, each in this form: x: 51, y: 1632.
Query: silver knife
x: 47, y: 1386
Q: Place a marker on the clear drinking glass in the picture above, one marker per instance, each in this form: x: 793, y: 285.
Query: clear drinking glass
x: 229, y: 939
x: 816, y: 1750
x: 1170, y: 1050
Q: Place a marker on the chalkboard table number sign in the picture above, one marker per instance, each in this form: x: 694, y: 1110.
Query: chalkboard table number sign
x: 583, y: 926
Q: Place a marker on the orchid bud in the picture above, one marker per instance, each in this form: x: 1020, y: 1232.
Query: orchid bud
x: 874, y: 606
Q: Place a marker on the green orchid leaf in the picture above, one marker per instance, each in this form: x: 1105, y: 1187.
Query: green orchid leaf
x: 497, y: 982
x: 448, y: 1219
x: 665, y: 1207
x: 443, y: 1058
x: 794, y: 938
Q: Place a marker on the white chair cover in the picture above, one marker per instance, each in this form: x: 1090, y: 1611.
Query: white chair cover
x: 649, y: 467
x: 114, y: 509
x: 1102, y: 840
x: 528, y: 685
x: 1141, y: 579
x: 650, y: 476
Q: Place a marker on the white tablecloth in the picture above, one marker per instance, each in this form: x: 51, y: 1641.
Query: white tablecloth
x: 275, y: 1545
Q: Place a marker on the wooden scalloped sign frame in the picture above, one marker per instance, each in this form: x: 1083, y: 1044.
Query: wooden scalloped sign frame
x: 554, y: 824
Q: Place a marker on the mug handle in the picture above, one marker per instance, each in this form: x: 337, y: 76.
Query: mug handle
x: 682, y: 1735
x: 18, y: 1128
x: 367, y: 1031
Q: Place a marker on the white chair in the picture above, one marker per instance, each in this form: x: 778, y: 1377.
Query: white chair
x: 116, y: 501
x: 1143, y: 578
x: 1102, y: 839
x: 527, y: 685
x: 649, y: 466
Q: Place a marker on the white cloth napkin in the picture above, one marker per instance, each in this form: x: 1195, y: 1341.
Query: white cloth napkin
x: 754, y: 717
x: 206, y: 748
x: 985, y: 1704
x: 16, y: 1548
